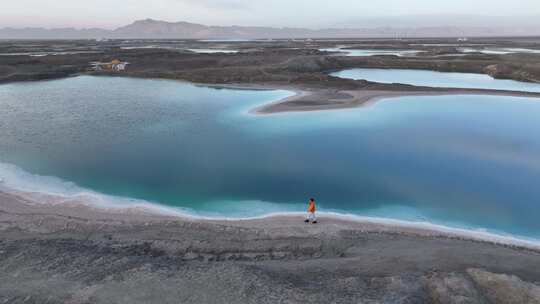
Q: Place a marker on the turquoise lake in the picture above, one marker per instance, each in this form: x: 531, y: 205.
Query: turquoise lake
x: 437, y: 79
x: 461, y: 161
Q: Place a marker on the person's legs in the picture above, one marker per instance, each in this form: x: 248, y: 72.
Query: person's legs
x: 313, y: 218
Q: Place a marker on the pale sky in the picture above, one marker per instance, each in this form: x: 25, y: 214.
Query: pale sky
x: 278, y: 13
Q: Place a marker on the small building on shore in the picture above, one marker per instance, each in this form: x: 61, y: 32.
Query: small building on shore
x: 114, y: 66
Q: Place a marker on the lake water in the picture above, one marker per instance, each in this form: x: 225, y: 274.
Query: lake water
x: 460, y: 161
x: 212, y: 51
x: 370, y: 52
x: 180, y: 48
x: 499, y: 51
x: 42, y: 54
x: 437, y: 79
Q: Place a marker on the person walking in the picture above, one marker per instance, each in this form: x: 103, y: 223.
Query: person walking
x: 311, y: 212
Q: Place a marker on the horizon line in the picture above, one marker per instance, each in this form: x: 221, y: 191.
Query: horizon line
x: 112, y: 28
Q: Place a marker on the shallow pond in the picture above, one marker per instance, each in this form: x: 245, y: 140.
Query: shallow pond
x: 370, y: 52
x: 437, y: 79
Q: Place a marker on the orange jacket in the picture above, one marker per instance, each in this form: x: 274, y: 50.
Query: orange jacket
x: 311, y: 207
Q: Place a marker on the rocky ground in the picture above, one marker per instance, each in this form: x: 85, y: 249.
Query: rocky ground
x: 75, y: 254
x: 261, y: 61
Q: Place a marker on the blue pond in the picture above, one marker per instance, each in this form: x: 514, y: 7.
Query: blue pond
x: 461, y: 161
x: 437, y: 79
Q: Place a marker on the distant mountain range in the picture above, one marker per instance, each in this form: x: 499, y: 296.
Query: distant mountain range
x: 155, y: 29
x: 442, y: 20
